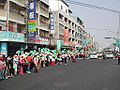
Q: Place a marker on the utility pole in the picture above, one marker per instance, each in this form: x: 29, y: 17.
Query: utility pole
x: 7, y: 16
x: 119, y: 24
x: 39, y: 17
x: 119, y: 34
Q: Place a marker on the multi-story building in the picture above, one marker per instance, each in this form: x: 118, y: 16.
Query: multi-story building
x: 42, y: 28
x: 15, y: 28
x: 14, y: 25
x: 64, y: 20
x: 90, y: 43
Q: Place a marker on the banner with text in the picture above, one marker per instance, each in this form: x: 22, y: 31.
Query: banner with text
x: 32, y: 18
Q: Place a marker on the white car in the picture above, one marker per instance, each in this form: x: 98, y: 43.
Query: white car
x: 93, y: 56
x: 109, y: 55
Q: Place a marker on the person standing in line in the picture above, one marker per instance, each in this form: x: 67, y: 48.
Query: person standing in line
x: 2, y: 67
x: 15, y: 64
x: 21, y: 65
x: 10, y: 66
x: 118, y: 58
x: 65, y: 58
x: 35, y: 60
x: 28, y: 63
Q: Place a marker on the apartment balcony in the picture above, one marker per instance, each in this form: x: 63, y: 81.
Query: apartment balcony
x: 19, y: 2
x: 44, y: 12
x: 45, y: 1
x: 2, y: 13
x: 70, y: 34
x: 44, y: 26
x: 69, y: 26
x: 61, y: 21
x: 61, y: 31
x: 15, y: 17
x: 72, y: 27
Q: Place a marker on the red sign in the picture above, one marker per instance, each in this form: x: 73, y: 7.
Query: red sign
x: 89, y: 46
x: 66, y: 36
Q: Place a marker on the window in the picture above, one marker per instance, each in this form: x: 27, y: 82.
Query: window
x: 1, y: 7
x: 66, y: 10
x: 69, y: 39
x: 69, y: 30
x: 11, y: 27
x: 66, y: 19
x: 43, y: 20
x: 44, y: 6
x: 2, y: 4
x: 72, y: 24
x: 14, y: 8
x: 73, y: 39
x: 61, y: 26
x: 61, y: 7
x: 60, y: 16
x: 69, y: 22
x: 66, y: 27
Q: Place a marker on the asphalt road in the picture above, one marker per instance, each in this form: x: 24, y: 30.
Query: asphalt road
x: 83, y: 75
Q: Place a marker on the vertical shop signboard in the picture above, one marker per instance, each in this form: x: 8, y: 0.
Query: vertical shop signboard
x: 3, y: 49
x: 66, y: 36
x: 58, y: 44
x: 52, y: 21
x: 32, y: 18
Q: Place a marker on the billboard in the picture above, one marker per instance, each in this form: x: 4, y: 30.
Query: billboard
x: 66, y: 36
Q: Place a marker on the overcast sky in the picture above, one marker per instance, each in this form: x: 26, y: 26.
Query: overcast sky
x: 99, y: 19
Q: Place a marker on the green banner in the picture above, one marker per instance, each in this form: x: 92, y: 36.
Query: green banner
x: 11, y: 36
x: 58, y: 44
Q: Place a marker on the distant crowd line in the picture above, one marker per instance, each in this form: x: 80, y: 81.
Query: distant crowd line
x: 33, y: 61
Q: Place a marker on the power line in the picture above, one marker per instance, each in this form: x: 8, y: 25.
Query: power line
x: 101, y: 29
x: 92, y: 6
x: 96, y: 7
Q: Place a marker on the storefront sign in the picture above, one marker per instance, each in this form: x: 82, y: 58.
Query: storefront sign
x: 52, y: 21
x: 31, y: 25
x: 39, y: 40
x: 11, y: 36
x: 3, y: 48
x: 32, y: 10
x: 32, y: 18
x: 66, y: 36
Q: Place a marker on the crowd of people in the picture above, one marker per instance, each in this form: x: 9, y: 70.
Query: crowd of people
x: 32, y: 61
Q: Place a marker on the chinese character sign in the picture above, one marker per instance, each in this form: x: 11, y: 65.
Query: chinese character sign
x: 32, y: 10
x: 31, y: 16
x: 51, y: 21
